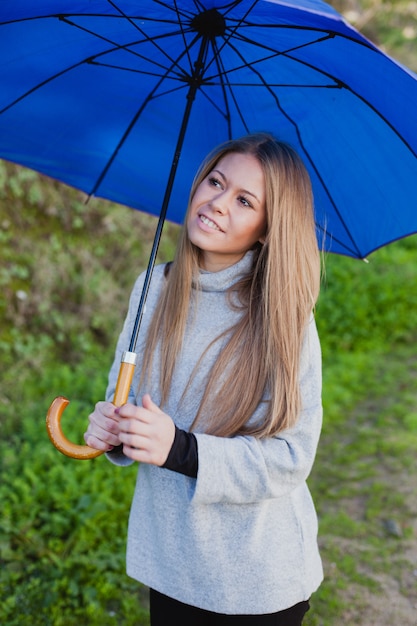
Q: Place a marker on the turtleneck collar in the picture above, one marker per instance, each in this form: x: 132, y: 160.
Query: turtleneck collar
x: 222, y: 280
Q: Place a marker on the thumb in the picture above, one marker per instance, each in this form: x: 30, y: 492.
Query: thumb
x: 149, y: 404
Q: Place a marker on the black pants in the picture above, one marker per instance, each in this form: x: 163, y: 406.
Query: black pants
x: 168, y: 612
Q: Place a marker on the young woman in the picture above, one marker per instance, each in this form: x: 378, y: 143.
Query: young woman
x: 225, y: 414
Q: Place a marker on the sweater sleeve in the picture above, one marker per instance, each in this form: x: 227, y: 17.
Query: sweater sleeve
x: 245, y: 469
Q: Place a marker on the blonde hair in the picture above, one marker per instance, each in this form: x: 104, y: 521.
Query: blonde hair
x: 277, y: 298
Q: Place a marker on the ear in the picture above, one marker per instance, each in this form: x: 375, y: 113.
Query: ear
x: 262, y: 239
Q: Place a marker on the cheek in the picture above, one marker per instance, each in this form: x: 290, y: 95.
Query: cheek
x: 198, y: 193
x: 191, y: 219
x: 192, y: 210
x: 253, y: 230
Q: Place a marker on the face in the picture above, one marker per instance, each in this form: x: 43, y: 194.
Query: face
x: 227, y: 214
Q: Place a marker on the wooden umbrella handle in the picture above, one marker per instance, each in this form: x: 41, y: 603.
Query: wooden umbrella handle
x: 58, y: 406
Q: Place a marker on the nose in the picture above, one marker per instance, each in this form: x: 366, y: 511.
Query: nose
x: 219, y: 202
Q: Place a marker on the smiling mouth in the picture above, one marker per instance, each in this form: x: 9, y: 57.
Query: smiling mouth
x: 208, y: 222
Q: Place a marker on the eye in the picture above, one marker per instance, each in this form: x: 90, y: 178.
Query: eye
x: 215, y: 182
x: 243, y: 200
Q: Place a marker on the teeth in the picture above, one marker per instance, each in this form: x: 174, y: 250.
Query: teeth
x: 208, y: 222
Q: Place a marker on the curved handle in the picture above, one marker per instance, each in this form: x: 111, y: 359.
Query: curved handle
x: 58, y: 406
x: 57, y: 437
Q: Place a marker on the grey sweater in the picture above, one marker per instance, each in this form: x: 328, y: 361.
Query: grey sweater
x: 241, y: 538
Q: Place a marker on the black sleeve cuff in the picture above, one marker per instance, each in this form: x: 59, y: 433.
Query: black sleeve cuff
x: 183, y: 456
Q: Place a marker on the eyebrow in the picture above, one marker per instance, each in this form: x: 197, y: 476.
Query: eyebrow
x: 245, y: 191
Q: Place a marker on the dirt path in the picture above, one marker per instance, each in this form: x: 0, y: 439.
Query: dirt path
x: 394, y: 603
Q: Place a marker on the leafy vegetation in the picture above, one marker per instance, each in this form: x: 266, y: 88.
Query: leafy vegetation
x: 66, y: 267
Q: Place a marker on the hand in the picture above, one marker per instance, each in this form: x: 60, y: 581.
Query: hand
x: 147, y: 433
x: 103, y: 430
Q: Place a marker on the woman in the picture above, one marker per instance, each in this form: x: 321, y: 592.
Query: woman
x: 225, y: 412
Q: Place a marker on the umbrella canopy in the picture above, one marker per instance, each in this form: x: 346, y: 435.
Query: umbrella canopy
x: 123, y: 98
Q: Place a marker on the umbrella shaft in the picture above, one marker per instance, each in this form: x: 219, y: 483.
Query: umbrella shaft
x: 195, y: 82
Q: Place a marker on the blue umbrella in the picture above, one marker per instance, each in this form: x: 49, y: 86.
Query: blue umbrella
x: 122, y: 98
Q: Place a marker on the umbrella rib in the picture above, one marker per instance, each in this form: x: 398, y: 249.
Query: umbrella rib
x: 274, y: 52
x: 223, y: 75
x: 133, y: 121
x: 40, y: 85
x: 355, y: 251
x: 127, y: 46
x: 182, y: 30
x: 226, y: 103
x: 64, y: 16
x: 72, y: 67
x: 120, y: 68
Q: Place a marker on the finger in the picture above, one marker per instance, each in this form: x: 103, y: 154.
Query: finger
x: 99, y: 422
x: 149, y: 404
x: 128, y: 411
x: 131, y: 426
x: 132, y: 413
x: 106, y: 436
x: 97, y: 443
x: 137, y: 454
x: 107, y: 409
x: 140, y: 449
x: 103, y: 429
x: 134, y: 441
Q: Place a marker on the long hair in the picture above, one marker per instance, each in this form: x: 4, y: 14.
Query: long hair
x: 261, y: 358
